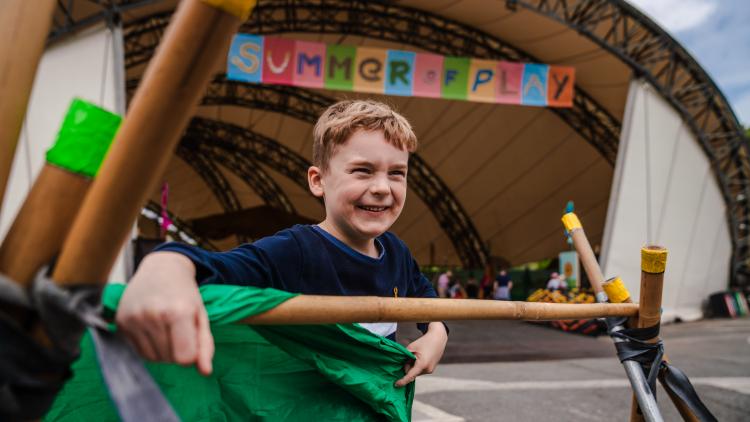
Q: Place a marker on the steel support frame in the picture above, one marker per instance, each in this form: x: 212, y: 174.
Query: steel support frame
x: 396, y: 23
x: 656, y: 57
x: 184, y: 229
x: 207, y: 136
x: 612, y: 24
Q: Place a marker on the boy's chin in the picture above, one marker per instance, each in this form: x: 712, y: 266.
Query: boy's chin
x: 372, y: 230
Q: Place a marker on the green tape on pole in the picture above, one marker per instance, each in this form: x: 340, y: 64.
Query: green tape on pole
x: 84, y: 138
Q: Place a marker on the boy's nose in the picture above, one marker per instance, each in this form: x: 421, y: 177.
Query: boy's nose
x: 380, y: 186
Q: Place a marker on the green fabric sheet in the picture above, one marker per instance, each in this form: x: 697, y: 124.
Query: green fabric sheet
x: 84, y: 138
x: 338, y: 372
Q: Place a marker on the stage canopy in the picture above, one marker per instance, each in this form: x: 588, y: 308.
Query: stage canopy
x: 488, y: 180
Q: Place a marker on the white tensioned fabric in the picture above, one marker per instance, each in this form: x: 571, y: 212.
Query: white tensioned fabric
x: 665, y: 193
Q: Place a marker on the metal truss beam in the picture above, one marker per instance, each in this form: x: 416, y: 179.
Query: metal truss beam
x: 68, y: 19
x: 656, y: 57
x: 184, y: 230
x: 211, y: 136
x: 307, y: 105
x: 212, y: 176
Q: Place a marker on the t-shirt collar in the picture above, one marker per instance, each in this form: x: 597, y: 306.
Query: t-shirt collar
x: 348, y: 249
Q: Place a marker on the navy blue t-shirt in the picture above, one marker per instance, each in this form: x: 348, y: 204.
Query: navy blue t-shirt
x: 306, y: 259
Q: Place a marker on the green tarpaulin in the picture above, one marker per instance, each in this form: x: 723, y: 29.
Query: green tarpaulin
x: 336, y: 372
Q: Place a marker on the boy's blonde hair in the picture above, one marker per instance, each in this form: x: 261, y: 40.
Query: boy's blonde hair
x: 341, y: 120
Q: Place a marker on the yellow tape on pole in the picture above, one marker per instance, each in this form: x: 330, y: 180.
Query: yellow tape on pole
x: 653, y: 259
x: 571, y: 221
x: 616, y: 290
x: 239, y: 8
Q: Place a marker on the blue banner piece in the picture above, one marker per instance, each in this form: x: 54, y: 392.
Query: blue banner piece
x: 245, y: 60
x: 534, y: 86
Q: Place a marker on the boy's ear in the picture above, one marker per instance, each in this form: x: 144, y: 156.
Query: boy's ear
x: 315, y: 181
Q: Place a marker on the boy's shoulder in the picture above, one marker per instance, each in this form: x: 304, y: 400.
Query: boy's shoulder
x: 393, y: 242
x: 297, y: 234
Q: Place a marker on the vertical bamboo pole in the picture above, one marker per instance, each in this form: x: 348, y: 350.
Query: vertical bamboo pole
x: 618, y: 293
x: 653, y: 264
x: 193, y: 45
x: 633, y: 370
x: 24, y: 26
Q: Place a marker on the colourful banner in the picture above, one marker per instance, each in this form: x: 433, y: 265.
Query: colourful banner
x: 271, y: 60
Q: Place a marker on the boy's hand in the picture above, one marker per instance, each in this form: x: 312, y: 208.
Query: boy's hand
x: 428, y: 349
x: 162, y: 314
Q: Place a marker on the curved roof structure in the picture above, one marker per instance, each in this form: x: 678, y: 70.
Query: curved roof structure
x: 488, y: 180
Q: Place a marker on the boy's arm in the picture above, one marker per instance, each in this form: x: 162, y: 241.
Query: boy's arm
x: 429, y: 348
x: 161, y: 312
x: 428, y: 351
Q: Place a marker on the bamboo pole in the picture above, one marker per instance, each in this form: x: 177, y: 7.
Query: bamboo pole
x: 194, y: 43
x: 585, y: 254
x: 653, y: 264
x: 643, y: 394
x: 618, y: 293
x: 24, y: 26
x: 311, y: 309
x: 42, y: 223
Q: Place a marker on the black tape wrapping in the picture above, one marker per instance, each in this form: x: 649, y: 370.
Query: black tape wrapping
x: 632, y: 345
x: 31, y: 374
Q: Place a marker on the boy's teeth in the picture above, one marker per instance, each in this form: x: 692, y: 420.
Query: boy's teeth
x: 372, y: 208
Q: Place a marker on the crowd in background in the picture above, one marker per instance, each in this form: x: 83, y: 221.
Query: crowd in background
x: 497, y: 286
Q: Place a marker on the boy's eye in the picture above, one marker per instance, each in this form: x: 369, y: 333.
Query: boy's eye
x: 364, y: 170
x: 399, y: 173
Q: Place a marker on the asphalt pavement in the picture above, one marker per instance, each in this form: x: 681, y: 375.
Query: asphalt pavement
x: 518, y: 371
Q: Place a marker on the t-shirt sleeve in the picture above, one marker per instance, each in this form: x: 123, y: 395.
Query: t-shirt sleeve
x: 273, y: 261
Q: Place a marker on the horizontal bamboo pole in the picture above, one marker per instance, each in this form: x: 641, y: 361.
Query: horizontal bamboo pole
x: 310, y: 309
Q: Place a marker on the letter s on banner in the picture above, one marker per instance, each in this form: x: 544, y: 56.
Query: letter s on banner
x: 244, y: 62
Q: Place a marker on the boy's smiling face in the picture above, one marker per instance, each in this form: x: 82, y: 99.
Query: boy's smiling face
x: 364, y: 188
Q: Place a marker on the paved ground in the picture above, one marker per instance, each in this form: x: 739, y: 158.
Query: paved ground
x: 524, y: 372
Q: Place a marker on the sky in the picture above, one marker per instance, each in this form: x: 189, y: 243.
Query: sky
x: 717, y: 34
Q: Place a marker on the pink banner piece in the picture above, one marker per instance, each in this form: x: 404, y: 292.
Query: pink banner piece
x: 428, y: 71
x: 509, y: 77
x: 310, y: 64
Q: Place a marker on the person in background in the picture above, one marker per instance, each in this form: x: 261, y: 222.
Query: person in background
x: 456, y: 290
x: 503, y: 285
x: 443, y: 283
x: 556, y: 283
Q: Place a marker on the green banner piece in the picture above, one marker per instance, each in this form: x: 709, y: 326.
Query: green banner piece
x: 456, y: 77
x: 336, y: 372
x: 84, y: 138
x: 340, y: 67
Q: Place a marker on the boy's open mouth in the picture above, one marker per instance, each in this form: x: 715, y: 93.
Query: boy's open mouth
x: 371, y: 208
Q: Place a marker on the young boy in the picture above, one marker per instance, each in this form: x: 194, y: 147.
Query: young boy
x: 360, y: 162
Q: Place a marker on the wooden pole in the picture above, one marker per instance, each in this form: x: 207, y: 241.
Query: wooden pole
x: 618, y: 293
x: 193, y: 45
x: 594, y: 272
x: 42, y: 223
x: 653, y: 264
x: 586, y: 254
x: 24, y: 26
x: 311, y: 309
